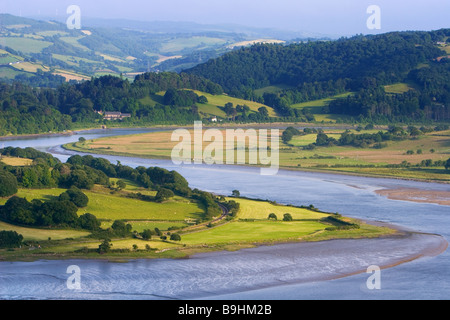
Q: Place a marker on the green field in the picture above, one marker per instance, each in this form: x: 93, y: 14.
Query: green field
x: 215, y: 104
x: 398, y: 88
x: 251, y: 226
x: 220, y: 100
x: 25, y: 45
x: 264, y: 231
x: 110, y: 207
x: 197, y: 42
x: 260, y: 210
x: 43, y: 234
x: 343, y: 159
x: 317, y: 108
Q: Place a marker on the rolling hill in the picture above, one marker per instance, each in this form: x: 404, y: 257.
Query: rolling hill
x: 396, y: 75
x: 113, y: 47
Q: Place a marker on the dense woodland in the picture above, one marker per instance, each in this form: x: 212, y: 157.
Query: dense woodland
x: 362, y: 65
x: 24, y: 109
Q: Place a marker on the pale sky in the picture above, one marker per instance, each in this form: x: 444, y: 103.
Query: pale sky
x: 342, y: 17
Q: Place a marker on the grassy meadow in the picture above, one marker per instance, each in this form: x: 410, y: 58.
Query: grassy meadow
x: 249, y: 227
x: 342, y: 159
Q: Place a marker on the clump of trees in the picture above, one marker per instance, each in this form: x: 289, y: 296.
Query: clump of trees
x: 76, y: 196
x: 10, y: 239
x: 37, y: 213
x: 289, y: 133
x: 8, y: 184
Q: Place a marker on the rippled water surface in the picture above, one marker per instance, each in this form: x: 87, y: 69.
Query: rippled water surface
x: 292, y: 271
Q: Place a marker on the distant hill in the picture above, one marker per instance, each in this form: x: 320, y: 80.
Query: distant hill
x: 283, y: 75
x: 113, y: 47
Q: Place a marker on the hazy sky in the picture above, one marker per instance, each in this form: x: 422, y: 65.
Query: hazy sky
x: 343, y: 17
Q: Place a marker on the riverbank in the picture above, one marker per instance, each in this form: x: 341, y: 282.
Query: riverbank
x: 206, y: 240
x: 158, y: 145
x: 218, y: 274
x: 280, y: 125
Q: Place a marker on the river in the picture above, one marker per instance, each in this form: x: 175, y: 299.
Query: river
x: 327, y: 270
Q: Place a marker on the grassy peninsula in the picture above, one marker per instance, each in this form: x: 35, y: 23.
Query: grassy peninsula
x: 59, y: 212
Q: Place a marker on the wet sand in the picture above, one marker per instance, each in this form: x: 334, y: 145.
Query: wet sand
x: 417, y: 195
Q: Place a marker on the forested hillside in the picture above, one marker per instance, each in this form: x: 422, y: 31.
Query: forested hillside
x: 362, y: 64
x: 25, y: 110
x: 388, y: 78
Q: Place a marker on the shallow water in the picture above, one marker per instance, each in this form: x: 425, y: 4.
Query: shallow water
x: 286, y: 275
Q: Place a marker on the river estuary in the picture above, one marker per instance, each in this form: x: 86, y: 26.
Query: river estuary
x: 413, y: 267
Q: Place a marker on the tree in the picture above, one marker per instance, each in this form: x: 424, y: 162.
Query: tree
x: 175, y: 237
x: 235, y: 193
x: 89, y: 222
x: 105, y: 246
x: 202, y: 99
x: 447, y: 165
x: 414, y: 131
x: 121, y: 184
x: 10, y: 239
x: 263, y: 111
x: 8, y: 184
x: 80, y: 179
x: 121, y: 228
x: 146, y: 234
x: 272, y: 216
x: 18, y: 210
x: 287, y: 217
x: 164, y: 194
x: 76, y: 196
x: 60, y: 212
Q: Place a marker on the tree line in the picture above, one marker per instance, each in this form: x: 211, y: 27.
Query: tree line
x: 28, y: 110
